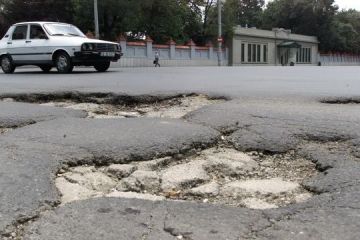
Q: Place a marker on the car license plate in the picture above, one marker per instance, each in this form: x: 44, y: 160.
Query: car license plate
x: 107, y: 54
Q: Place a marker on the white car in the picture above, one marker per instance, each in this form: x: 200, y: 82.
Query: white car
x: 52, y: 44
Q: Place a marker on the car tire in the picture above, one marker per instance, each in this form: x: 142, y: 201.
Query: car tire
x: 45, y: 68
x: 102, y: 67
x: 63, y: 63
x: 7, y: 64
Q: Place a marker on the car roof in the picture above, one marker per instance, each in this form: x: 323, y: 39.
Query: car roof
x: 39, y: 22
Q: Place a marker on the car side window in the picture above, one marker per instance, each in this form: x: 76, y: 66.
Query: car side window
x: 20, y: 32
x: 36, y: 32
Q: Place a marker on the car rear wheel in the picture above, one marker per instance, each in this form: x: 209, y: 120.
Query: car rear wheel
x: 102, y: 67
x: 46, y: 68
x: 7, y: 64
x: 63, y: 63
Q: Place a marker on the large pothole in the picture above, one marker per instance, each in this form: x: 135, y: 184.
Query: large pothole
x: 171, y: 107
x: 217, y: 175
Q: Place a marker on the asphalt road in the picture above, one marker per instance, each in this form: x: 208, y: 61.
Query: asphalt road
x: 269, y: 109
x: 234, y: 81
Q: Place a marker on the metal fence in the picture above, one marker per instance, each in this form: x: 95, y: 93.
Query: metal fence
x: 339, y: 59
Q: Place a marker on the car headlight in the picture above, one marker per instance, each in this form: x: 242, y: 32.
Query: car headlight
x: 91, y: 46
x: 84, y: 47
x: 88, y: 47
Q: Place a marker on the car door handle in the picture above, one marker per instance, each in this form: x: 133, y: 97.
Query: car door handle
x: 28, y: 41
x: 9, y: 43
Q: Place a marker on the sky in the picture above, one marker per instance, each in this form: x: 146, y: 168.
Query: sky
x: 346, y: 4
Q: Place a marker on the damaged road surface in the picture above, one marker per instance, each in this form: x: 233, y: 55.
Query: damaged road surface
x: 108, y: 165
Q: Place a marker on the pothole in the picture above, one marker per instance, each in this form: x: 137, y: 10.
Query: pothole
x: 341, y: 100
x: 172, y: 107
x: 218, y: 176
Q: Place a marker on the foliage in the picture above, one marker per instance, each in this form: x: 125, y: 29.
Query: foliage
x: 182, y: 20
x: 309, y: 17
x: 347, y: 26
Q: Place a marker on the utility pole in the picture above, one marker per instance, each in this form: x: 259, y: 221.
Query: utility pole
x: 220, y: 34
x: 96, y: 18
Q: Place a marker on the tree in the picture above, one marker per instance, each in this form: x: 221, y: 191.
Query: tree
x: 39, y: 10
x: 309, y: 17
x: 13, y: 11
x: 159, y: 19
x: 247, y: 12
x: 347, y: 25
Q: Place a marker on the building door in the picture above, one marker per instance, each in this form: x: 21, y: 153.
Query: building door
x: 284, y: 56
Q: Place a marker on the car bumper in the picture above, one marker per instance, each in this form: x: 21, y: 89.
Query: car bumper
x: 93, y: 57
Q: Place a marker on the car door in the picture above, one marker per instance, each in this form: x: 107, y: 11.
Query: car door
x: 17, y: 43
x: 38, y: 45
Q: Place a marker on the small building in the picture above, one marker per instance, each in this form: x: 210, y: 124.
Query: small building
x: 251, y: 46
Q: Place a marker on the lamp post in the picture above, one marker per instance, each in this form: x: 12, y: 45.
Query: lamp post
x: 96, y: 19
x: 219, y: 34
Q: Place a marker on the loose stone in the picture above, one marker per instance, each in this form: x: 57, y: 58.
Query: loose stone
x: 210, y: 189
x: 184, y: 175
x: 141, y: 181
x: 263, y: 186
x: 121, y: 170
x: 255, y: 203
x: 154, y: 164
x: 135, y: 195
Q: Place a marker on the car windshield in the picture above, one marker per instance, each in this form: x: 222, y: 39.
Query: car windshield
x: 56, y: 29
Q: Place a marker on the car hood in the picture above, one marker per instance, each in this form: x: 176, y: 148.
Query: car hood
x: 76, y: 41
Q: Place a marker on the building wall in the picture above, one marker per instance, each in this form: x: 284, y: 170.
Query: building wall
x: 270, y: 39
x: 142, y: 54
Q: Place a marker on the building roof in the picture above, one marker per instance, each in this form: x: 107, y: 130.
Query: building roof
x: 276, y: 33
x: 289, y: 44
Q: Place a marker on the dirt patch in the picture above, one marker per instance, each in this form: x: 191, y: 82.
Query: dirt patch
x: 175, y: 107
x: 4, y: 130
x: 218, y: 175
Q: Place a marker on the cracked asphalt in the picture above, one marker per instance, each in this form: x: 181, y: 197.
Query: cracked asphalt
x: 269, y: 109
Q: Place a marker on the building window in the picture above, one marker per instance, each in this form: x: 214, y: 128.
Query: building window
x: 256, y: 53
x: 253, y: 59
x: 249, y: 52
x: 303, y: 55
x: 243, y: 52
x: 265, y: 53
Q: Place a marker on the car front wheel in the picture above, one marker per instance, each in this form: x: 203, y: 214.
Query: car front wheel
x: 7, y: 64
x: 63, y: 63
x: 102, y: 67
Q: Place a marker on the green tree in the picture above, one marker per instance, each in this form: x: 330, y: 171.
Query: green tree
x: 348, y: 28
x: 39, y: 10
x: 13, y: 11
x: 247, y: 12
x: 159, y: 19
x: 309, y: 17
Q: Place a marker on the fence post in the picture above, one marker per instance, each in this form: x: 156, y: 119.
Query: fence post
x: 149, y: 47
x: 211, y: 50
x: 226, y: 57
x: 192, y: 48
x: 122, y: 40
x: 172, y: 44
